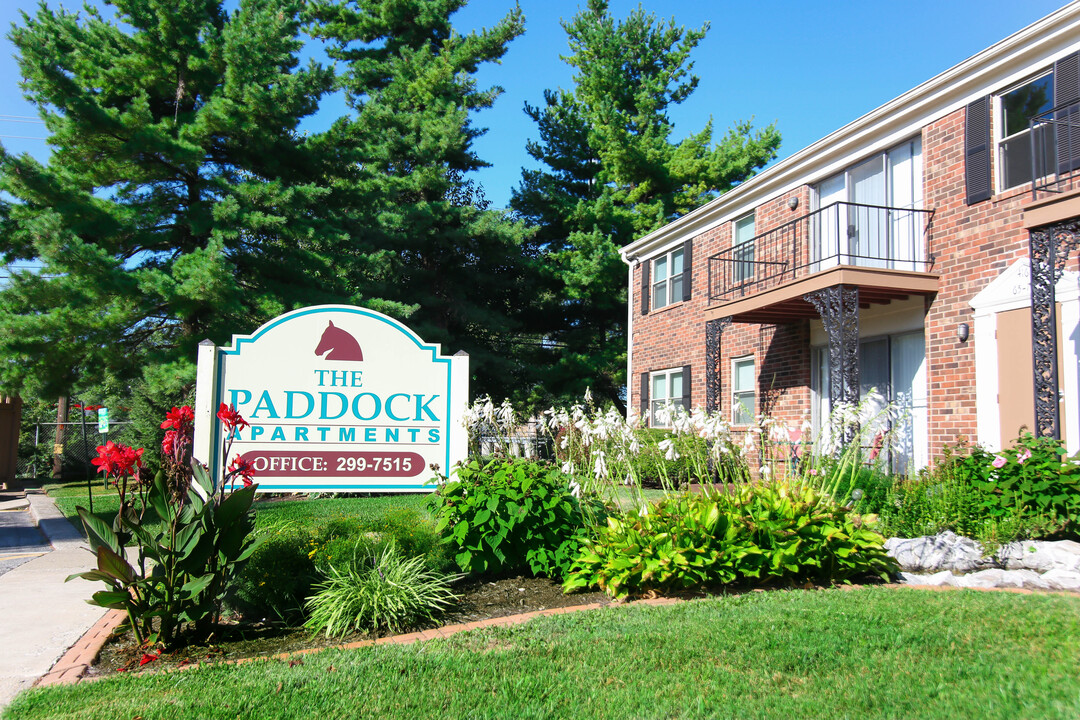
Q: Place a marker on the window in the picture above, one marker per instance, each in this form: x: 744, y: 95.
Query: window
x: 1015, y: 108
x: 864, y: 213
x: 743, y: 396
x: 743, y: 250
x: 667, y: 286
x: 667, y: 387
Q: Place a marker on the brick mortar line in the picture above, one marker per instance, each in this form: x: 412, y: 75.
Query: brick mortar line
x: 95, y: 638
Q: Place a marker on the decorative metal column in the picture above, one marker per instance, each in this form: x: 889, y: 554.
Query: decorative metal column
x: 838, y: 307
x: 1049, y: 249
x: 714, y: 329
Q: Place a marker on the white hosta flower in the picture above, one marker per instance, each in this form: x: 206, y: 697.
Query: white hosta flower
x: 568, y: 467
x: 645, y: 509
x: 505, y: 414
x: 668, y: 448
x: 765, y: 471
x: 600, y: 468
x: 629, y: 480
x: 565, y: 442
x: 635, y: 445
x: 575, y: 488
x: 588, y: 396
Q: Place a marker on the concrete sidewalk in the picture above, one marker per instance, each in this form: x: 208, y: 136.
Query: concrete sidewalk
x: 41, y: 616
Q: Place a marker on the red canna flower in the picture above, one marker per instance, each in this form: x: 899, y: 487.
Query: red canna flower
x: 168, y: 443
x: 117, y: 460
x: 179, y: 418
x: 243, y: 468
x: 148, y: 658
x: 231, y: 418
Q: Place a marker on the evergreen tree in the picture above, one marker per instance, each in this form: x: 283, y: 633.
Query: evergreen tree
x: 612, y: 174
x: 422, y: 232
x: 179, y: 202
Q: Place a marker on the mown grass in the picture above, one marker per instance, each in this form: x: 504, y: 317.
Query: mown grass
x: 869, y: 653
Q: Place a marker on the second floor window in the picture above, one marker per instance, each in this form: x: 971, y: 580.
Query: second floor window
x: 1016, y: 108
x: 742, y: 243
x: 667, y: 284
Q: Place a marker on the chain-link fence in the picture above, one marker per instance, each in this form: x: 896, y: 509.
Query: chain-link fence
x: 77, y: 444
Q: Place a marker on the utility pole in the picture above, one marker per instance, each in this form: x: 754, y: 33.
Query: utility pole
x: 58, y: 439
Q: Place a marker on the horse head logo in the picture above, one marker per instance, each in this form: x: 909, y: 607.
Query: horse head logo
x: 342, y: 345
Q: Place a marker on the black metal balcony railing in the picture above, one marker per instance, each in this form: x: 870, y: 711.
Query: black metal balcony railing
x: 1054, y: 139
x: 843, y: 233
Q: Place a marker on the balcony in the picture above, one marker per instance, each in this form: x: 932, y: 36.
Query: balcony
x: 1054, y: 142
x: 885, y: 251
x: 1053, y: 151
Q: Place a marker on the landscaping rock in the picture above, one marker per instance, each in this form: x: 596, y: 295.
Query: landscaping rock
x: 1062, y: 579
x: 945, y: 551
x: 1040, y: 556
x: 941, y: 578
x: 949, y: 559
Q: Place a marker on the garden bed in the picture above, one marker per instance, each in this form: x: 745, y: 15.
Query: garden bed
x: 479, y: 599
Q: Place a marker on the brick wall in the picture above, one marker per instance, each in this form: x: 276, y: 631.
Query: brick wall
x: 973, y: 245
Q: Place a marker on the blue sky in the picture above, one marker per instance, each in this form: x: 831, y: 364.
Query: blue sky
x: 809, y: 66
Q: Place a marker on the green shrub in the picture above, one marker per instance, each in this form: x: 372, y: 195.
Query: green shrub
x: 1025, y: 492
x: 780, y: 532
x: 508, y: 515
x: 277, y: 578
x: 380, y: 589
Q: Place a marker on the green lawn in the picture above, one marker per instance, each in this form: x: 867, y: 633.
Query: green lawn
x: 869, y: 653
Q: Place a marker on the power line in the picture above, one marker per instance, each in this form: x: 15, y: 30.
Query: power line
x: 21, y: 137
x: 23, y: 117
x: 28, y: 122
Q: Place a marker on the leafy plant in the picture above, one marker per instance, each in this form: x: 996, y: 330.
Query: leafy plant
x: 689, y: 541
x: 381, y: 589
x: 1030, y: 475
x: 277, y: 578
x: 192, y: 538
x: 509, y: 514
x: 787, y: 531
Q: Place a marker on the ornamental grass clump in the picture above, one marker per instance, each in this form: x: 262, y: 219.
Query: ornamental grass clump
x: 378, y: 590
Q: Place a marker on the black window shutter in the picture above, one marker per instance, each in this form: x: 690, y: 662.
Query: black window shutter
x: 645, y: 288
x: 686, y: 386
x: 977, y: 176
x: 644, y: 393
x: 1067, y: 97
x: 688, y: 268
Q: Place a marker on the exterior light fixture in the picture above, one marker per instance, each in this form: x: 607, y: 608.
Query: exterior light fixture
x: 793, y: 202
x: 963, y: 332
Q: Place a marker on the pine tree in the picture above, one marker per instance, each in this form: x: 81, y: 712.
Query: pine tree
x: 424, y: 234
x: 613, y: 174
x: 179, y: 202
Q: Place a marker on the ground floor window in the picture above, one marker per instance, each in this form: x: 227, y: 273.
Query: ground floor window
x: 894, y: 366
x: 743, y: 391
x: 667, y: 387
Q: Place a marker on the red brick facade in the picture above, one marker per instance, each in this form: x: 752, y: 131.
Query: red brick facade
x: 972, y: 245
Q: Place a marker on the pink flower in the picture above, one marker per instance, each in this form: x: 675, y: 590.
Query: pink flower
x: 1024, y: 456
x: 999, y: 462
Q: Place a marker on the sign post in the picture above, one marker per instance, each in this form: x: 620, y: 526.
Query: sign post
x: 339, y: 398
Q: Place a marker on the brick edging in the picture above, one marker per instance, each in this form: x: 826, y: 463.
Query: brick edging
x: 72, y: 667
x: 77, y: 660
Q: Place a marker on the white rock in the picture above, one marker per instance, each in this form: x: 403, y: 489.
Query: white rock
x: 940, y: 578
x: 1062, y: 579
x: 945, y: 551
x: 1041, y: 556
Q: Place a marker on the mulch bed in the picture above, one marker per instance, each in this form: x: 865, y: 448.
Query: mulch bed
x: 481, y: 599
